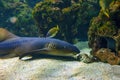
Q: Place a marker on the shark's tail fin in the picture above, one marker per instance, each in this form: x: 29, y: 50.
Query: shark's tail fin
x: 5, y: 34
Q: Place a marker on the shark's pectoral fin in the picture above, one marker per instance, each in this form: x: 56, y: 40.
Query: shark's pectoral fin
x: 33, y: 52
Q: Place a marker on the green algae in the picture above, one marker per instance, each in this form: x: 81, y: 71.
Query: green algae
x: 24, y: 26
x: 72, y: 16
x: 105, y: 27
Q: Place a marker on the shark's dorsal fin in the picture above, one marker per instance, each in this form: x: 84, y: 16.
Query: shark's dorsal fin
x: 5, y: 34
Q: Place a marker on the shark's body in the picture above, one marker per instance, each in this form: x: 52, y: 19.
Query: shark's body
x: 22, y: 46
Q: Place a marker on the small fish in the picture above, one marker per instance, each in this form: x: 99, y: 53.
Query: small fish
x: 104, y: 4
x: 106, y: 12
x: 53, y: 31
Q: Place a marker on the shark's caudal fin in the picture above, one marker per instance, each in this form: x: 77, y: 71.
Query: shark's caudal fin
x: 5, y: 34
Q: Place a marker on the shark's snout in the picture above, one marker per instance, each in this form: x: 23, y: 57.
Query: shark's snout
x: 75, y: 49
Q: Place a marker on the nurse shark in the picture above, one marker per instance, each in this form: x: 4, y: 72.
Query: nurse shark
x: 15, y: 46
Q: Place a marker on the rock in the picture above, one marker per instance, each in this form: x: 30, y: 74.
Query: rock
x: 104, y: 31
x: 105, y: 55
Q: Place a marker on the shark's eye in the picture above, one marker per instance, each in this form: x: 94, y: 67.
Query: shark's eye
x: 50, y: 45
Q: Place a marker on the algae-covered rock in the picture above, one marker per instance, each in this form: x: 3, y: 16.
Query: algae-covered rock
x: 104, y: 31
x: 104, y: 4
x: 105, y: 55
x: 71, y: 15
x: 16, y: 16
x: 31, y: 3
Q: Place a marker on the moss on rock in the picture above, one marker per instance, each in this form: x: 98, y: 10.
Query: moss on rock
x: 71, y: 15
x: 107, y: 28
x: 24, y: 24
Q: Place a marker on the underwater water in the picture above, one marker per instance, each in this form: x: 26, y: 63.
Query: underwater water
x: 59, y: 39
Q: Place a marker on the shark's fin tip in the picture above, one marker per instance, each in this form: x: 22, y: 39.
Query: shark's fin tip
x: 5, y: 34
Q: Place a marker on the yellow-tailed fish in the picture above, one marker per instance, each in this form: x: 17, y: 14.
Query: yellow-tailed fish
x: 106, y: 13
x: 53, y: 31
x: 104, y: 4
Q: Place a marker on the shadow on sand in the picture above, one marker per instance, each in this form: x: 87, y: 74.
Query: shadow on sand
x: 43, y: 56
